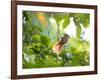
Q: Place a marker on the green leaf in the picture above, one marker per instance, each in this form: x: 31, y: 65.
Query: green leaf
x: 78, y: 26
x: 45, y: 40
x: 30, y: 51
x: 58, y: 17
x: 66, y: 21
x: 78, y: 31
x: 38, y: 28
x: 36, y: 38
x: 51, y: 61
x: 84, y: 19
x: 62, y: 16
x: 76, y: 60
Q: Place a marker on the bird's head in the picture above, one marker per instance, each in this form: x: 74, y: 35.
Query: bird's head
x: 65, y: 38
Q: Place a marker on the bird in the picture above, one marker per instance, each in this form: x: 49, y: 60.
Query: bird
x: 57, y: 47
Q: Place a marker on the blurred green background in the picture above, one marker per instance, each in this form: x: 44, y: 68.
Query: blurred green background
x: 41, y: 30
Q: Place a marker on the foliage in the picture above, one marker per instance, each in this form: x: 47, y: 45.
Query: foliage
x: 40, y: 34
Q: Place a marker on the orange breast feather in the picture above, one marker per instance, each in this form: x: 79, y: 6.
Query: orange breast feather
x: 57, y: 47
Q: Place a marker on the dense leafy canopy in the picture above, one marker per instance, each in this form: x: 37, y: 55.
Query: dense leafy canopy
x: 40, y: 34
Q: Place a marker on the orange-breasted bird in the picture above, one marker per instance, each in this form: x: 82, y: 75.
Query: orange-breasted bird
x: 59, y: 45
